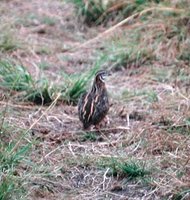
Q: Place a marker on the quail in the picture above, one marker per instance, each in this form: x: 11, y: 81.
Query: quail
x: 93, y: 106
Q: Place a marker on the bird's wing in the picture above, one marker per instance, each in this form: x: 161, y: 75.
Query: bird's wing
x: 86, y: 107
x: 101, y: 107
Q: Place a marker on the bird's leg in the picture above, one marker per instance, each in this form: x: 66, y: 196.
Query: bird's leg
x: 104, y: 122
x: 97, y: 127
x: 86, y: 128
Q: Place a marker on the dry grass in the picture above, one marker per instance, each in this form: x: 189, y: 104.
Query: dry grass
x: 149, y: 116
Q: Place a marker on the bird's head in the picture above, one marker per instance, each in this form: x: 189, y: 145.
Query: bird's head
x: 102, y: 75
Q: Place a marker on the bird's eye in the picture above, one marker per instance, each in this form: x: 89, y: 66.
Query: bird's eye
x: 102, y: 77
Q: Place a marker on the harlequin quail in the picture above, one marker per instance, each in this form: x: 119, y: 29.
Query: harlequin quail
x: 94, y: 105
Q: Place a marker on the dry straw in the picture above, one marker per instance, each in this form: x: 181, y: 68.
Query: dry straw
x: 128, y: 19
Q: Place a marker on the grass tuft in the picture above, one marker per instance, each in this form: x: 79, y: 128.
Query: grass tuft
x: 147, y: 40
x: 8, y: 42
x: 102, y: 12
x: 75, y: 85
x: 130, y: 169
x: 42, y: 93
x: 10, y: 161
x: 184, y: 194
x: 149, y: 96
x: 89, y: 137
x: 15, y: 77
x: 89, y: 12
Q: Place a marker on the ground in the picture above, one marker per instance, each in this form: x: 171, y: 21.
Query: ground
x: 148, y: 114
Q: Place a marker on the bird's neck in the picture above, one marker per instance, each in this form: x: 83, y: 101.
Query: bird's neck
x: 98, y: 86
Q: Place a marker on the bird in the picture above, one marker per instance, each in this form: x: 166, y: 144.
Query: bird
x: 93, y: 106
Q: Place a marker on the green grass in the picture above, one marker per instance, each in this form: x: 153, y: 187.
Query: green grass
x: 75, y: 85
x: 149, y: 96
x: 15, y: 77
x: 48, y: 20
x: 44, y: 65
x: 122, y: 57
x: 88, y: 12
x: 42, y: 93
x: 184, y: 194
x: 126, y: 52
x: 152, y: 96
x: 101, y: 12
x: 181, y: 129
x: 161, y: 74
x: 145, y: 42
x: 43, y: 50
x: 10, y: 160
x: 130, y: 169
x: 33, y: 19
x: 89, y: 137
x: 8, y: 41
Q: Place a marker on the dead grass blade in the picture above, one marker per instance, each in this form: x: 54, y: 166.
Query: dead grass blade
x: 128, y: 19
x: 32, y: 125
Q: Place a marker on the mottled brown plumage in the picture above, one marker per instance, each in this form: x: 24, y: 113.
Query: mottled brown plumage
x: 94, y: 105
